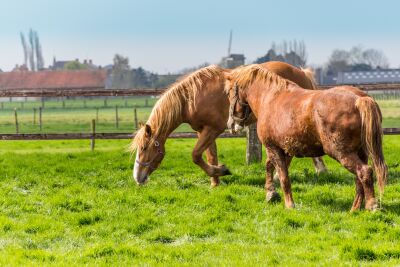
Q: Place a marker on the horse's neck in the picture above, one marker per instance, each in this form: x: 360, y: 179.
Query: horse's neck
x: 164, y: 130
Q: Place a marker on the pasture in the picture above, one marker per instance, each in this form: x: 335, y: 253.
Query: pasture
x: 64, y: 205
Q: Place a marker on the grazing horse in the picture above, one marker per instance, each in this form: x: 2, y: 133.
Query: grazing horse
x: 342, y: 122
x: 199, y: 100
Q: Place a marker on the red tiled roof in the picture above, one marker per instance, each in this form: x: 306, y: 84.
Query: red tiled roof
x: 52, y: 79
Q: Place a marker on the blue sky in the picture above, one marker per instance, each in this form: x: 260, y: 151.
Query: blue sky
x: 166, y: 36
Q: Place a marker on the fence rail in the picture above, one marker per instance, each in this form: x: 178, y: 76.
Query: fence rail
x: 101, y: 91
x: 79, y: 136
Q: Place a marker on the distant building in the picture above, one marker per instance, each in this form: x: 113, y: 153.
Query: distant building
x: 20, y: 68
x: 60, y: 65
x: 370, y: 76
x: 232, y: 61
x: 87, y: 79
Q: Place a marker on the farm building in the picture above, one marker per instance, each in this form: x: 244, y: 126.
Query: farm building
x: 370, y: 76
x: 232, y: 61
x: 53, y: 79
x: 61, y: 65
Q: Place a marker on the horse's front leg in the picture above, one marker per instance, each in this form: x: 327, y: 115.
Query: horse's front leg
x: 212, y: 159
x: 281, y: 163
x: 206, y: 138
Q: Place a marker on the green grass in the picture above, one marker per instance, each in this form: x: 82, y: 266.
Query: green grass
x: 61, y: 204
x: 76, y: 118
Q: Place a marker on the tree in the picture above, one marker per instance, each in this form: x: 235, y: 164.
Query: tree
x: 33, y: 56
x: 121, y: 63
x: 38, y: 52
x: 75, y: 65
x: 25, y: 48
x: 292, y: 52
x: 31, y: 50
x: 355, y: 59
x: 375, y: 58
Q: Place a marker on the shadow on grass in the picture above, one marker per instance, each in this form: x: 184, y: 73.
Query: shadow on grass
x: 305, y: 177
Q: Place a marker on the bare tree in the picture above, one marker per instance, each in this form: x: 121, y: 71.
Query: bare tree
x: 375, y: 58
x: 38, y: 52
x: 121, y: 63
x: 292, y: 52
x: 25, y: 48
x: 32, y: 50
x: 356, y: 59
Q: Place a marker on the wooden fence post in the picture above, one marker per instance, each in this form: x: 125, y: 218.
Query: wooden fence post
x: 97, y: 115
x: 34, y: 116
x: 40, y: 118
x: 136, y: 120
x: 16, y: 121
x: 116, y: 117
x: 42, y: 99
x: 92, y: 140
x: 253, y: 147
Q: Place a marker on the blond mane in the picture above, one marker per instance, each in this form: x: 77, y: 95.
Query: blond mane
x: 245, y: 76
x: 311, y: 76
x: 169, y: 108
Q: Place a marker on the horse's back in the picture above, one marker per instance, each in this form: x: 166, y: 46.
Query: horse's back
x: 289, y: 72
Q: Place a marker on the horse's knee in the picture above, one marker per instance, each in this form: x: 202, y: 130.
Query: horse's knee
x: 196, y: 158
x: 269, y: 166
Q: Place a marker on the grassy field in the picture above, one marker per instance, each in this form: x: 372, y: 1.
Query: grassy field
x: 78, y: 113
x: 63, y: 205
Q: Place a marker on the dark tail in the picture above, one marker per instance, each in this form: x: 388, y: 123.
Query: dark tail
x: 371, y: 120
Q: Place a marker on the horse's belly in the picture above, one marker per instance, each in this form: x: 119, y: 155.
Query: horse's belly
x: 302, y: 148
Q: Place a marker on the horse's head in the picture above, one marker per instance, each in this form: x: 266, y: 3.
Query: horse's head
x: 149, y: 154
x: 239, y: 110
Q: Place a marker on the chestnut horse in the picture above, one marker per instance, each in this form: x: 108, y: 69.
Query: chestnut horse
x: 342, y: 122
x: 199, y: 100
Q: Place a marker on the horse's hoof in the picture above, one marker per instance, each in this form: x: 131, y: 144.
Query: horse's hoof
x: 272, y: 196
x: 372, y: 207
x: 290, y: 206
x: 214, y: 182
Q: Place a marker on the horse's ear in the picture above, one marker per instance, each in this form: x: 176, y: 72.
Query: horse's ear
x: 147, y: 129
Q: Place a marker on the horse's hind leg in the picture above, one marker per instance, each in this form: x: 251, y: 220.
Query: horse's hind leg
x: 364, y: 180
x: 319, y: 165
x: 272, y: 195
x: 206, y: 138
x: 280, y: 161
x: 212, y: 159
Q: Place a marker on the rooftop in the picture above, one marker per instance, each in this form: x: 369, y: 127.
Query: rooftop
x: 52, y: 79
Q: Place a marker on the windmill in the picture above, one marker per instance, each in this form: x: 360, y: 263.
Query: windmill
x: 232, y: 60
x: 230, y: 43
